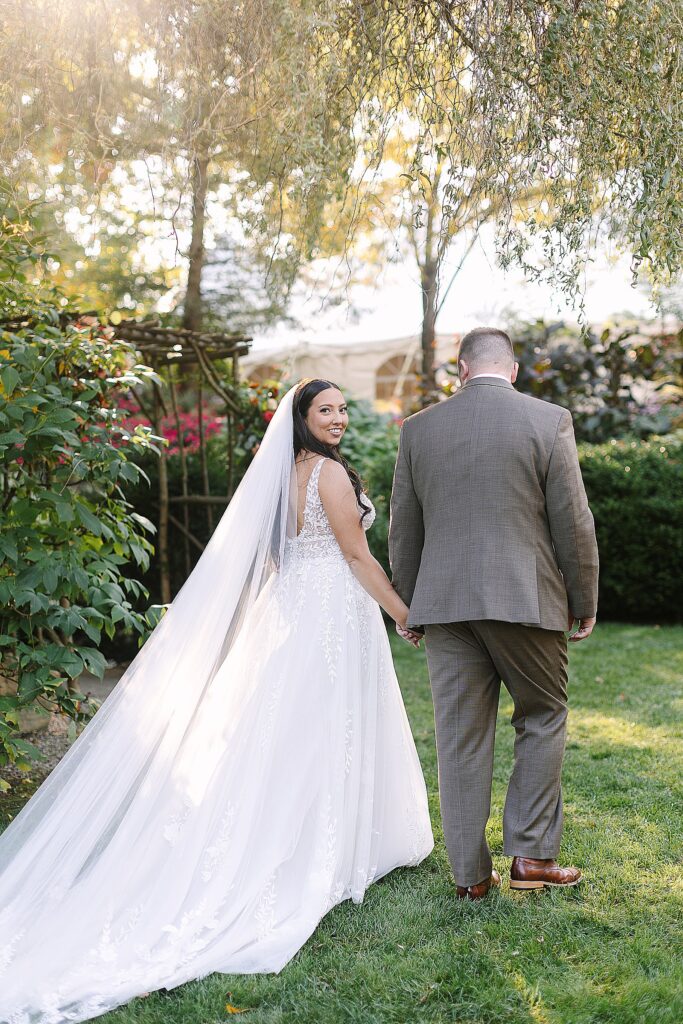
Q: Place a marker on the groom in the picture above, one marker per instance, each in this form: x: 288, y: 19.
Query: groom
x: 492, y: 546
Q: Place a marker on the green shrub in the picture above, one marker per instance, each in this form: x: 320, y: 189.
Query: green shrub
x: 635, y: 489
x: 67, y: 531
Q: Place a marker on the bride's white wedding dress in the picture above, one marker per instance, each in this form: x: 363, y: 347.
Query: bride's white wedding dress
x: 293, y: 785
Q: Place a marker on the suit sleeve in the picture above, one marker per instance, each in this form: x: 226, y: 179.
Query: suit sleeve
x: 571, y: 523
x: 406, y: 529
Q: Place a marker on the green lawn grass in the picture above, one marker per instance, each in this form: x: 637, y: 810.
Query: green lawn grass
x: 609, y: 952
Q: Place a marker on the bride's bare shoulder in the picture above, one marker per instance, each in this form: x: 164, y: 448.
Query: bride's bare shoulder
x: 333, y: 472
x: 333, y: 481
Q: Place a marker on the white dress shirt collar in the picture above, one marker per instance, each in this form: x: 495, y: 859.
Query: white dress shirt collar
x: 501, y: 376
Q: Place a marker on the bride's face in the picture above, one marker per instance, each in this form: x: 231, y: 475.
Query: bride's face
x: 328, y: 417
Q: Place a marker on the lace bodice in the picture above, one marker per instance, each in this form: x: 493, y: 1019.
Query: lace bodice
x: 316, y: 534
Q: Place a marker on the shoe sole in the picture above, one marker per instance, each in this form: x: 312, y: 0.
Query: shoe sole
x: 542, y: 885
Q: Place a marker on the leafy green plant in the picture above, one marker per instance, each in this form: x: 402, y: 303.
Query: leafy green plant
x: 67, y: 529
x: 617, y: 382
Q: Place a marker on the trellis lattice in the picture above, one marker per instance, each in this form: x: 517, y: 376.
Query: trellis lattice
x: 181, y: 357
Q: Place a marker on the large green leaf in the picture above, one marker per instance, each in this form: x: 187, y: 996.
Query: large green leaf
x: 8, y: 546
x: 89, y: 520
x: 10, y: 378
x: 95, y: 662
x: 11, y: 437
x: 50, y: 578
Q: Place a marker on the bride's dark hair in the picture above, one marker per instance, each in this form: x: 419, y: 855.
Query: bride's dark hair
x: 304, y: 440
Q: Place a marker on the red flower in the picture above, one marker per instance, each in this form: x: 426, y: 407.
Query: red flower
x: 268, y: 415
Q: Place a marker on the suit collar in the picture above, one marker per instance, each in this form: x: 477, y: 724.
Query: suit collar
x: 491, y: 381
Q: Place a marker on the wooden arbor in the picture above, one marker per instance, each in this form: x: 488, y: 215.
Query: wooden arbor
x: 182, y: 357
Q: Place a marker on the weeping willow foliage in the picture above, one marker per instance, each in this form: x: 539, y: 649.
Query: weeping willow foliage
x: 577, y: 102
x: 89, y: 88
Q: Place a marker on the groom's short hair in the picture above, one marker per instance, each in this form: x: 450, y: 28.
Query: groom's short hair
x: 485, y: 346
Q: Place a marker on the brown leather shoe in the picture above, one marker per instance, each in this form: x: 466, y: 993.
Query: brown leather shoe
x: 481, y: 889
x: 527, y: 873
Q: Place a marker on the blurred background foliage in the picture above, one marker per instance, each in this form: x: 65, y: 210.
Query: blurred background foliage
x: 622, y: 380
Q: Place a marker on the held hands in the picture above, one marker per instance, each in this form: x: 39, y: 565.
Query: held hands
x: 585, y: 628
x: 409, y: 635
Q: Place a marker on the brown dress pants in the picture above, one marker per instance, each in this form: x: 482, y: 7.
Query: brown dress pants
x: 467, y: 662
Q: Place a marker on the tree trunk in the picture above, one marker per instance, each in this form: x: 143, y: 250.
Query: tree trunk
x: 192, y: 311
x: 428, y: 277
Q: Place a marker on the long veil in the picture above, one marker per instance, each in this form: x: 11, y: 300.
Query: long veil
x: 126, y: 752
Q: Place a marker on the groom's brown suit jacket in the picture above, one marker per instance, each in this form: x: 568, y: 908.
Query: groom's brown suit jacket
x: 489, y: 516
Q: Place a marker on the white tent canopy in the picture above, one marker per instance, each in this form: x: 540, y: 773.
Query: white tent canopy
x: 383, y: 372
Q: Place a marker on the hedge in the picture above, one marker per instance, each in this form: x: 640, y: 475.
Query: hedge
x: 635, y: 489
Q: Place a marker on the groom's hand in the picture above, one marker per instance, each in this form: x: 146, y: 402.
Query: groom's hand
x: 585, y: 628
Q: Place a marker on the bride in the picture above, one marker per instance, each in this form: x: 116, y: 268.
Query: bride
x: 253, y: 767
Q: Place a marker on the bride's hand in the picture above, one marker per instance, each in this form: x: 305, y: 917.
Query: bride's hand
x: 409, y: 635
x: 404, y: 630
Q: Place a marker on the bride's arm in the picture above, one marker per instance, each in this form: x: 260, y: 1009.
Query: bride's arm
x: 339, y: 501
